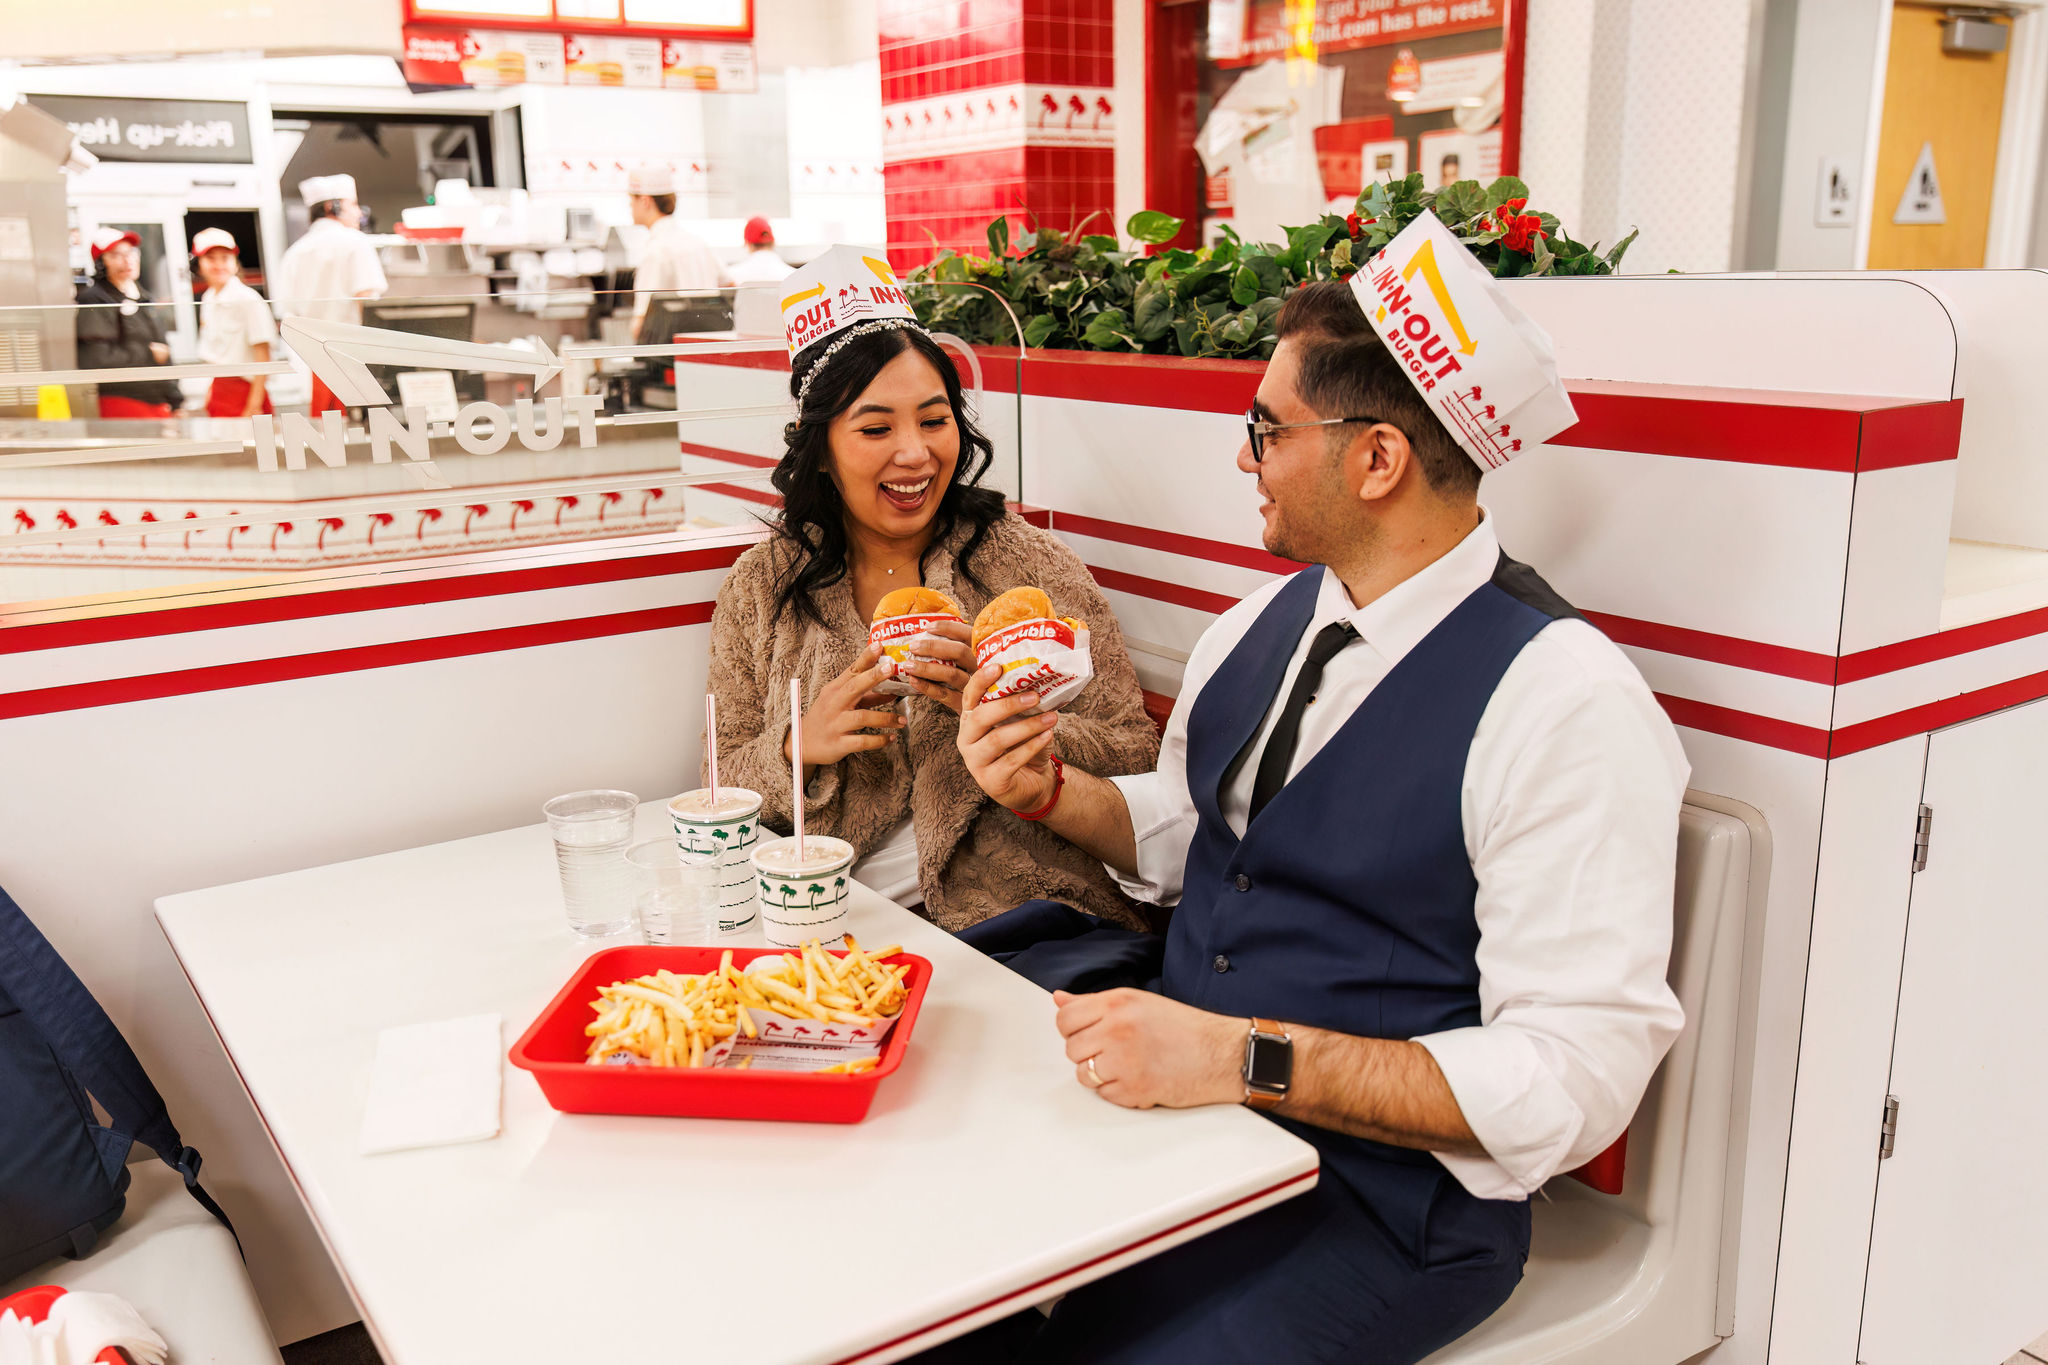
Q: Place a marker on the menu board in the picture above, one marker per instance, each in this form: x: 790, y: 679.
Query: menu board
x: 485, y: 57
x: 665, y: 18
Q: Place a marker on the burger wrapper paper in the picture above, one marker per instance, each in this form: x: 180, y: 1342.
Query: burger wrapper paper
x: 899, y: 637
x: 1047, y: 657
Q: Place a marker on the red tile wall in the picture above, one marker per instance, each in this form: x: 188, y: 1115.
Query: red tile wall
x: 937, y: 47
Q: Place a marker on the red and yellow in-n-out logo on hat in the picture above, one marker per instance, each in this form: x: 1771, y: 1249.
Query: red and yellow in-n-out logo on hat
x: 841, y: 288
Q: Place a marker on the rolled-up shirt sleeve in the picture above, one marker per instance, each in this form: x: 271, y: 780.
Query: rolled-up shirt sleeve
x: 1573, y: 837
x: 1163, y: 819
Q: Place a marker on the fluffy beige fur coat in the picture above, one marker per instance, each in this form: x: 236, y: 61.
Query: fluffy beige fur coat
x: 975, y: 859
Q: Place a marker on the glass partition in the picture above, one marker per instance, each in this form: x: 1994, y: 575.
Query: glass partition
x: 394, y: 431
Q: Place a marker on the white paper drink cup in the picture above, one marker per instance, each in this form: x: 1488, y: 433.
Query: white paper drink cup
x: 801, y: 904
x: 728, y: 832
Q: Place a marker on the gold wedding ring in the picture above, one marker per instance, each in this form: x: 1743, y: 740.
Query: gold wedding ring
x: 1094, y: 1076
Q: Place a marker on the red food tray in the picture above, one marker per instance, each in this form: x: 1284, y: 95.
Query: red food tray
x: 554, y: 1047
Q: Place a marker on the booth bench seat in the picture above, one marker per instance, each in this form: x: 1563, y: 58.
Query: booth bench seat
x: 1646, y: 1277
x: 179, y: 1268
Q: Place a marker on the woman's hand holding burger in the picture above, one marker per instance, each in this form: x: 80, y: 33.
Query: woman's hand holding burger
x: 942, y: 674
x: 844, y: 708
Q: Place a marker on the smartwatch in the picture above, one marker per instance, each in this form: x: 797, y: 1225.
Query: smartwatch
x: 1268, y: 1063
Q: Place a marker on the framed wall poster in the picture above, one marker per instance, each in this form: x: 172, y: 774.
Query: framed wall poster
x: 1269, y: 113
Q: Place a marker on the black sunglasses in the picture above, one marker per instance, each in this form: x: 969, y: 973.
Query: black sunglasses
x: 1258, y: 429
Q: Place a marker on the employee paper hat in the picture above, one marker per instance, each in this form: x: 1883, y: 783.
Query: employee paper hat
x: 210, y: 238
x: 757, y: 232
x: 842, y: 294
x: 106, y: 238
x: 322, y: 188
x: 651, y: 180
x: 1486, y: 371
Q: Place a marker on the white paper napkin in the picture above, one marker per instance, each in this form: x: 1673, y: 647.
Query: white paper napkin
x: 434, y: 1084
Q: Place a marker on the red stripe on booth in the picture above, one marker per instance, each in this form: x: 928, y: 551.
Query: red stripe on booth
x: 1782, y: 660
x: 1947, y: 644
x: 23, y: 636
x: 220, y: 677
x: 1173, y: 542
x: 1918, y: 720
x: 1766, y: 730
x: 1215, y: 603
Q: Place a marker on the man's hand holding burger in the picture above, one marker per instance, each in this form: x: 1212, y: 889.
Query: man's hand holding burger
x: 1011, y: 760
x: 1008, y: 753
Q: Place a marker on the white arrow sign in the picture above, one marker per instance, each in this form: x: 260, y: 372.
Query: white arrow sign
x: 341, y: 354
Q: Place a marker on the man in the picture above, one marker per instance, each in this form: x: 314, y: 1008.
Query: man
x: 329, y: 272
x: 673, y: 257
x: 762, y: 265
x: 235, y: 327
x: 1421, y: 820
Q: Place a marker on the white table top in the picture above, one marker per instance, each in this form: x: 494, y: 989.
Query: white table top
x: 984, y: 1179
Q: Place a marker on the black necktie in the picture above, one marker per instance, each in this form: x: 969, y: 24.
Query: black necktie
x: 1280, y: 745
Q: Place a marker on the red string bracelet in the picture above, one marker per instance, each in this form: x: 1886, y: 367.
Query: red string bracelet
x: 1059, y: 782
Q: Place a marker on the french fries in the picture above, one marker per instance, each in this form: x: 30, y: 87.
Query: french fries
x: 667, y: 1019
x: 856, y: 989
x: 852, y: 1068
x: 664, y: 1019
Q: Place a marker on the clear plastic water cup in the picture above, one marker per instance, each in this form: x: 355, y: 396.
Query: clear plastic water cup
x: 592, y: 830
x: 676, y: 893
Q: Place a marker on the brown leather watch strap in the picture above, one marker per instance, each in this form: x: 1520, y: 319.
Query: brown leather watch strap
x: 1259, y: 1099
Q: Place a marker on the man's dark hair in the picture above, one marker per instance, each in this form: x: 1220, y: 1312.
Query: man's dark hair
x: 664, y: 202
x: 1347, y: 371
x: 326, y: 208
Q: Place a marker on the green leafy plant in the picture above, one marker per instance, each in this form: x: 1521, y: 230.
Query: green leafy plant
x: 1088, y: 291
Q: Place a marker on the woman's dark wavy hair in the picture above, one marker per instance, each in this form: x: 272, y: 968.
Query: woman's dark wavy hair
x: 813, y: 517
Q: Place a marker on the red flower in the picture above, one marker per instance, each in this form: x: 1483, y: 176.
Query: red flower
x: 1523, y: 232
x: 1351, y: 224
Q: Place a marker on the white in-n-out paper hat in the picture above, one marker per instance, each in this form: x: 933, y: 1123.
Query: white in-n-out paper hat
x: 1486, y: 371
x: 651, y: 180
x: 210, y: 238
x: 842, y: 288
x: 322, y: 188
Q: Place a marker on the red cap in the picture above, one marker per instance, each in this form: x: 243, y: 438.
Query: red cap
x: 757, y: 232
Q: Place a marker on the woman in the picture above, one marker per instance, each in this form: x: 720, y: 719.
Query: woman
x: 881, y: 490
x: 118, y: 328
x: 235, y: 327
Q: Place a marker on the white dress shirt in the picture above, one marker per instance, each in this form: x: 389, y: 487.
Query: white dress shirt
x: 323, y: 274
x: 675, y: 258
x: 233, y: 320
x: 1570, y: 807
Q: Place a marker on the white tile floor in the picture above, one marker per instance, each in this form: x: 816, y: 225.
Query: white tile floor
x: 2036, y: 1354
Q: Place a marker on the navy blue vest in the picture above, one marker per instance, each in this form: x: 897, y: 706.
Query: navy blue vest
x: 1348, y: 904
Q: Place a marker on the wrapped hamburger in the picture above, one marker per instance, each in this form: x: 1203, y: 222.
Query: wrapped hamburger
x: 1038, y: 651
x: 903, y: 618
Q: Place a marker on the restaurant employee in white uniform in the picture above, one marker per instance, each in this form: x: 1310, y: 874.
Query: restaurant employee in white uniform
x: 761, y: 265
x: 329, y: 272
x: 673, y: 258
x: 235, y: 327
x: 1420, y: 819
